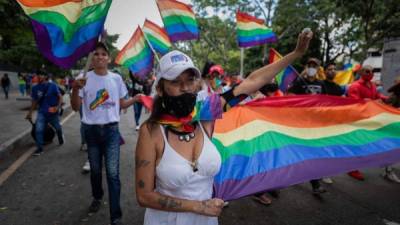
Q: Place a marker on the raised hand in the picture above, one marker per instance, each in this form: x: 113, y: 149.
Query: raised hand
x: 303, y: 41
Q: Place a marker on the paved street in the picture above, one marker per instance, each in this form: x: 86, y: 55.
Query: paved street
x: 50, y: 190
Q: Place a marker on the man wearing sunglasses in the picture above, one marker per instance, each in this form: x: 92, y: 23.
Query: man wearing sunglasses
x: 365, y: 89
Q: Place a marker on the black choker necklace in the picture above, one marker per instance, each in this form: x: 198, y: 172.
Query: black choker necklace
x: 184, y: 136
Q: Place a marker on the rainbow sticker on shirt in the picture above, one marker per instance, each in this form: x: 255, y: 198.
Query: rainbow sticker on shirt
x: 101, y: 97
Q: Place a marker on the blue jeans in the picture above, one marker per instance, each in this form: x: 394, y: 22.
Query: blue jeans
x: 41, y: 121
x: 22, y: 89
x: 103, y: 141
x: 137, y: 109
x: 6, y: 89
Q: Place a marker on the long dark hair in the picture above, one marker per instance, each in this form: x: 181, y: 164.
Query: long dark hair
x: 157, y: 109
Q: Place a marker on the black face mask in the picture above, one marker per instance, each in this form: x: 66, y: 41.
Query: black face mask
x: 179, y: 106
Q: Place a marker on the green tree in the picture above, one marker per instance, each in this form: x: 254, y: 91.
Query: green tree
x: 374, y: 20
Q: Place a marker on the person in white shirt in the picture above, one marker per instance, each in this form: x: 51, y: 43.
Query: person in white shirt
x: 101, y: 94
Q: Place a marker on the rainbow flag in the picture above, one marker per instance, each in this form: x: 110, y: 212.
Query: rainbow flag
x: 286, y: 76
x: 66, y: 30
x: 137, y: 55
x: 252, y: 31
x: 179, y: 20
x: 282, y: 141
x: 157, y: 37
x: 352, y: 67
x: 344, y: 77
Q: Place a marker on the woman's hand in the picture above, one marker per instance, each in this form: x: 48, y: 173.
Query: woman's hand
x: 210, y: 207
x: 303, y: 42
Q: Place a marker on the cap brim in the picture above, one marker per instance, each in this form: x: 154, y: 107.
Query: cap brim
x: 174, y: 72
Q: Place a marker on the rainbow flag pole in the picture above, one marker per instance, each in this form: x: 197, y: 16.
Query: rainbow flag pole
x: 102, y: 38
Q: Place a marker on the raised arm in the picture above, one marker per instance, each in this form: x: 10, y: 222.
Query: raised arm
x: 265, y: 74
x: 145, y: 186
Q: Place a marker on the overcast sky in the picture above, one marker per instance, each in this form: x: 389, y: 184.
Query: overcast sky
x: 125, y: 15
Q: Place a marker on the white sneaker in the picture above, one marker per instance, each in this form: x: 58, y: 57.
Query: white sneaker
x: 83, y: 147
x: 391, y: 176
x: 137, y: 128
x: 327, y: 180
x: 86, y: 167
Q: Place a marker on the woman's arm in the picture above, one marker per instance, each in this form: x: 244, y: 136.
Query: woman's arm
x: 145, y: 176
x: 265, y: 74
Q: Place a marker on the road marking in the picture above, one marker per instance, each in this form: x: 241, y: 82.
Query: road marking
x: 11, y: 169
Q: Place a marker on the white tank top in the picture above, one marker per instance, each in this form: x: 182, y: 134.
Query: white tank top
x: 175, y: 178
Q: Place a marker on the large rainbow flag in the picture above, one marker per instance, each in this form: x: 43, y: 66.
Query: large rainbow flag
x: 179, y: 20
x: 66, y: 30
x: 251, y: 31
x: 286, y: 76
x: 157, y: 37
x: 281, y: 141
x: 137, y: 55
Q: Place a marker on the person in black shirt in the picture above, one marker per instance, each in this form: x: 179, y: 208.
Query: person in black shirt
x: 307, y: 82
x: 5, y: 84
x: 137, y: 88
x: 331, y: 87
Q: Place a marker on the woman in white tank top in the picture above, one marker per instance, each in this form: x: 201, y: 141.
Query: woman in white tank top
x: 175, y: 159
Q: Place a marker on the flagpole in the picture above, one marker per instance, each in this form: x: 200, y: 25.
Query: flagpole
x: 101, y: 38
x: 241, y: 62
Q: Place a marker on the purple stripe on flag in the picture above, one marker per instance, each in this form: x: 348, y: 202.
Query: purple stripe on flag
x: 257, y: 42
x: 299, y: 173
x: 44, y: 44
x: 183, y: 36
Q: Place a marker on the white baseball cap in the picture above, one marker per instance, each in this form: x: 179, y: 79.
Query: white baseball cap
x: 173, y: 64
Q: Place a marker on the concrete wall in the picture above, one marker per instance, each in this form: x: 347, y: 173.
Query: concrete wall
x: 391, y: 61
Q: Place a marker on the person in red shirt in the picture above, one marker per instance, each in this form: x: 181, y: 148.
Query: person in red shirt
x: 365, y: 89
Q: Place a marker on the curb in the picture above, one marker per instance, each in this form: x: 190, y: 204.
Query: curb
x: 23, y: 139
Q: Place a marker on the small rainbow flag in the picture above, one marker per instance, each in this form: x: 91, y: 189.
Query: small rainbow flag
x: 252, y: 31
x: 157, y: 37
x: 286, y: 76
x: 344, y: 77
x: 352, y: 67
x: 137, y: 55
x: 66, y: 30
x: 281, y: 141
x: 179, y: 20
